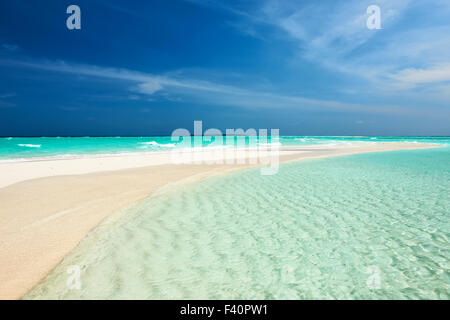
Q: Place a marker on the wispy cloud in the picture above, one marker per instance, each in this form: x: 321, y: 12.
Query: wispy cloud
x: 404, y: 55
x: 133, y: 97
x: 148, y: 87
x: 7, y: 104
x: 437, y: 73
x: 148, y: 83
x: 7, y: 95
x: 203, y: 91
x: 10, y: 47
x: 334, y: 30
x: 335, y: 34
x: 415, y: 37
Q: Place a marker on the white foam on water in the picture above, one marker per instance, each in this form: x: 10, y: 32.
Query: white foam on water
x: 154, y: 143
x: 29, y: 145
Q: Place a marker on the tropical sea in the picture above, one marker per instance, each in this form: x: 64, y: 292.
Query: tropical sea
x: 37, y: 148
x: 364, y: 226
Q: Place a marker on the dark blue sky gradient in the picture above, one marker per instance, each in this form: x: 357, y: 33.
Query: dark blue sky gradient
x: 149, y: 67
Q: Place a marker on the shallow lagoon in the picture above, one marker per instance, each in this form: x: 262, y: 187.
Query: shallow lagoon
x: 372, y: 226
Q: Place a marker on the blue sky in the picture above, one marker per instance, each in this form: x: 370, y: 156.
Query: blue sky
x: 149, y: 67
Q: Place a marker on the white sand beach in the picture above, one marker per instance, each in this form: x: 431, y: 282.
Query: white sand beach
x: 49, y: 206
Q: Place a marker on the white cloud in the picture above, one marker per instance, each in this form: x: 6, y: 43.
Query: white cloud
x: 436, y: 73
x: 148, y: 87
x: 330, y: 34
x: 411, y: 50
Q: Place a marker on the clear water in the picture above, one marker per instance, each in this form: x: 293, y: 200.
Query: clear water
x: 20, y: 149
x: 372, y: 226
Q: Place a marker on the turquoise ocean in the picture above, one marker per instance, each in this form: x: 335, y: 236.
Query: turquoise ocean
x: 365, y: 226
x: 36, y: 148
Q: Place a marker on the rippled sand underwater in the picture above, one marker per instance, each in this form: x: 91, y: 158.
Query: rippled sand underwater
x: 368, y: 226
